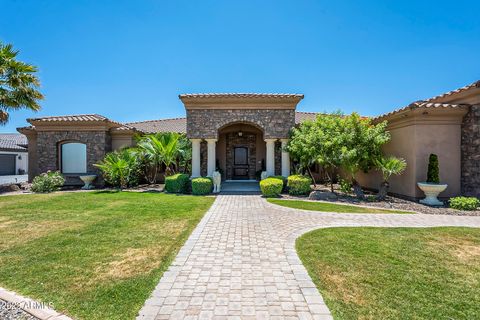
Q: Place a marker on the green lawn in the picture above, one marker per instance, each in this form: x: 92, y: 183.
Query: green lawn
x: 95, y: 255
x: 329, y: 207
x: 395, y: 273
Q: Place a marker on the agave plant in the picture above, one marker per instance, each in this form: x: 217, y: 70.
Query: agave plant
x: 389, y: 166
x: 120, y: 168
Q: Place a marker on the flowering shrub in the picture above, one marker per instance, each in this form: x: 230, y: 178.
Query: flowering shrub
x: 47, y: 182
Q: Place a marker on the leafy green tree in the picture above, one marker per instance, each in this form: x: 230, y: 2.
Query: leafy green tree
x: 18, y: 84
x: 361, y: 146
x: 389, y: 166
x: 336, y: 141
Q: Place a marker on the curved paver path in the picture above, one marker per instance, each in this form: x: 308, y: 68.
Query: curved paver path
x: 240, y: 262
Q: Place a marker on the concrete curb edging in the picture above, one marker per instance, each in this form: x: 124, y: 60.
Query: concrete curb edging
x: 42, y: 314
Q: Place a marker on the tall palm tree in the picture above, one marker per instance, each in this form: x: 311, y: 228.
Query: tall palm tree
x: 18, y: 84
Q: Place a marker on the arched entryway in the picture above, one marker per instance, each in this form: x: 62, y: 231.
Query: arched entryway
x: 240, y: 151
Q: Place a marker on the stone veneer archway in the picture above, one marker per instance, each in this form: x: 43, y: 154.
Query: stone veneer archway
x: 207, y: 114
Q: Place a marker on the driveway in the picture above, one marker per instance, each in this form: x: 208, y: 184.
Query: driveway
x: 240, y: 262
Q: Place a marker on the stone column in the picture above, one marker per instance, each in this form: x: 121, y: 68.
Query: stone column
x: 211, y: 158
x: 285, y: 159
x: 270, y: 157
x: 195, y: 157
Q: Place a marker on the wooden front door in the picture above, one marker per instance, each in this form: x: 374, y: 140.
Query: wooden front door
x: 240, y: 163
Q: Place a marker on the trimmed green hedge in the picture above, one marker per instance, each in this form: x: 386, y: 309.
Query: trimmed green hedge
x: 284, y: 179
x: 299, y: 185
x: 271, y: 187
x: 201, y: 186
x: 464, y: 203
x: 177, y: 183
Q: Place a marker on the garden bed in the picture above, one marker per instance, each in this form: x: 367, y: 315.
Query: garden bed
x: 389, y: 203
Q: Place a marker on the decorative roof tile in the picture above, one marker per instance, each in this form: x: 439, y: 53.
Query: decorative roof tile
x: 419, y: 105
x: 301, y: 116
x: 71, y: 118
x: 162, y: 125
x: 13, y: 142
x: 476, y: 84
x: 241, y: 95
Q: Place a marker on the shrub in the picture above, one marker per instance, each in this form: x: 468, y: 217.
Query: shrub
x: 177, y: 183
x: 284, y: 180
x: 271, y: 187
x: 345, y: 186
x: 298, y: 185
x: 201, y: 186
x: 433, y: 173
x: 48, y: 182
x: 464, y: 203
x: 121, y: 169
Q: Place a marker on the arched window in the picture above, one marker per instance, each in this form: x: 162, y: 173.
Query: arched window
x: 73, y: 157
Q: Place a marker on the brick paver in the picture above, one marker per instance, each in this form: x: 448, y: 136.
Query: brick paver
x: 240, y: 262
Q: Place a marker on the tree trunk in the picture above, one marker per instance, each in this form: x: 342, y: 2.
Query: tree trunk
x: 382, y: 192
x: 311, y: 176
x: 358, y: 190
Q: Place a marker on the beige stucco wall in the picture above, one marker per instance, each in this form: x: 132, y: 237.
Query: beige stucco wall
x: 414, y: 136
x: 121, y: 141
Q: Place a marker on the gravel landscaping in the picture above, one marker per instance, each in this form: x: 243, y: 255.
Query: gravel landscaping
x: 11, y: 312
x: 389, y: 203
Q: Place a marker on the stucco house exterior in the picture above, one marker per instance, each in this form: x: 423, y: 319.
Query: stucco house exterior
x: 241, y: 134
x: 13, y: 158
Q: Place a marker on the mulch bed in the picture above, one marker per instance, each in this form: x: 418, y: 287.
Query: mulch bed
x: 391, y: 203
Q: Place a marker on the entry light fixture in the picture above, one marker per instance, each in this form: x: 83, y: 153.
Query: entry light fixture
x: 240, y: 133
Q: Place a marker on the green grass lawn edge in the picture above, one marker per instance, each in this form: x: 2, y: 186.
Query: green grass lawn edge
x: 331, y: 207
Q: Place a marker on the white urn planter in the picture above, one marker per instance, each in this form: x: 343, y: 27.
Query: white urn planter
x: 431, y: 190
x: 87, y: 181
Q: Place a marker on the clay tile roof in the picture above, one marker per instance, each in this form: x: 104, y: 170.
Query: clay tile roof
x: 71, y: 118
x: 476, y: 84
x: 79, y: 118
x: 13, y: 142
x: 163, y: 125
x: 421, y: 104
x: 241, y: 95
x: 301, y: 116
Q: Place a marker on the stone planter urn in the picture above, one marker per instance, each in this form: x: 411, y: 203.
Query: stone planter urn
x: 87, y: 180
x: 431, y: 190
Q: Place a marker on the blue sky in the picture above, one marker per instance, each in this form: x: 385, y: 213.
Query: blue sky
x: 129, y: 60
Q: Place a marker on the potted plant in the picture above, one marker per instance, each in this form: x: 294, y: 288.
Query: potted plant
x: 432, y: 187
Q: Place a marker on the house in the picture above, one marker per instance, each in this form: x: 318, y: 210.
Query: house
x: 242, y: 134
x: 13, y: 158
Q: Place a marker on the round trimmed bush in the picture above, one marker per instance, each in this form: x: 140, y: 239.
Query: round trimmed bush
x: 177, y: 183
x: 271, y: 187
x: 284, y: 180
x: 201, y: 186
x: 299, y: 185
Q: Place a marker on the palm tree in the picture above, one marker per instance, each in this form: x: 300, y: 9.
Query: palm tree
x: 158, y: 149
x: 389, y: 166
x: 18, y: 84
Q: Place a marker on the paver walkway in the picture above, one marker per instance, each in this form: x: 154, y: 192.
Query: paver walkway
x: 240, y: 262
